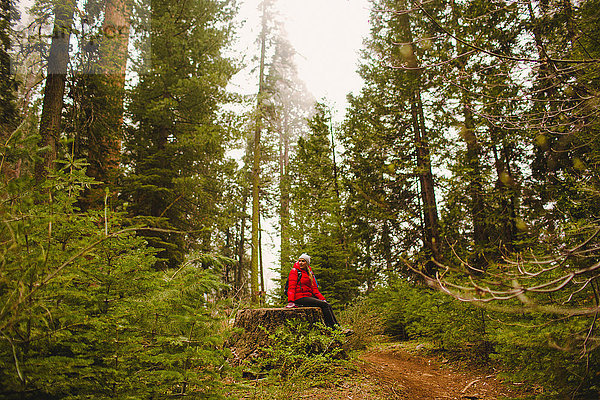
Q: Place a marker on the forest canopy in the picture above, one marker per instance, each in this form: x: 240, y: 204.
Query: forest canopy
x: 458, y: 198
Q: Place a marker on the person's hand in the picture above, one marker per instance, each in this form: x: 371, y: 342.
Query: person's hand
x: 291, y: 304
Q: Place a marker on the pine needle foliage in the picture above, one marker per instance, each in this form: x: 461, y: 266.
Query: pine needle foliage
x: 175, y: 144
x: 299, y: 350
x: 316, y: 221
x: 82, y: 312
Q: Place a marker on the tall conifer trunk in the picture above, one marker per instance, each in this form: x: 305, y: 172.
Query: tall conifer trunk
x: 256, y: 156
x: 431, y: 236
x: 113, y: 59
x: 284, y: 188
x: 475, y: 188
x: 478, y: 261
x: 54, y: 91
x: 105, y: 135
x: 113, y: 56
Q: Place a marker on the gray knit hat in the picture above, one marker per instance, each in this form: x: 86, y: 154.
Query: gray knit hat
x: 305, y: 257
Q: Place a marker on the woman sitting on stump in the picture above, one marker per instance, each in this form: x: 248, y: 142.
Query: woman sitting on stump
x: 305, y: 292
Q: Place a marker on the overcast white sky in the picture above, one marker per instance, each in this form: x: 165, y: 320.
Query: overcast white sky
x: 328, y: 36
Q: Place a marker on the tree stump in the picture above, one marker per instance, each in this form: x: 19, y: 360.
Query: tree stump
x: 253, y: 338
x: 251, y: 319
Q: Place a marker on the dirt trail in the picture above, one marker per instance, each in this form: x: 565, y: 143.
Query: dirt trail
x: 395, y: 371
x: 410, y: 376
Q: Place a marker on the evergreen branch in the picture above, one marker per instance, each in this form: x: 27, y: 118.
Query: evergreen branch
x: 170, y: 205
x: 71, y: 259
x: 501, y: 56
x: 14, y: 351
x: 420, y: 67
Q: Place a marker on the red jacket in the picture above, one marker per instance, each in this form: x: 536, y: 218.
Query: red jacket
x: 307, y: 287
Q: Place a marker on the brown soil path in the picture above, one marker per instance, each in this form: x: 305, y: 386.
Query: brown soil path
x: 392, y: 371
x: 407, y: 375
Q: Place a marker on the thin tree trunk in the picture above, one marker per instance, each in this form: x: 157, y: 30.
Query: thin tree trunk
x: 54, y: 91
x: 475, y: 189
x: 239, y: 272
x: 431, y: 237
x: 260, y: 253
x: 387, y: 249
x: 506, y: 187
x: 254, y: 272
x: 342, y: 233
x: 284, y: 187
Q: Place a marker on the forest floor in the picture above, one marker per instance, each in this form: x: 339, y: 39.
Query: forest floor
x: 393, y: 371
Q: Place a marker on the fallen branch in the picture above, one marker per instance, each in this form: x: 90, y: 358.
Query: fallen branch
x: 469, y: 385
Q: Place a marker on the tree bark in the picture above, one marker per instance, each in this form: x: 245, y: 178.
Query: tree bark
x: 106, y: 133
x: 269, y: 318
x: 284, y: 188
x: 508, y: 192
x: 478, y: 262
x: 240, y: 284
x: 256, y: 158
x: 54, y: 91
x: 430, y: 213
x: 431, y: 236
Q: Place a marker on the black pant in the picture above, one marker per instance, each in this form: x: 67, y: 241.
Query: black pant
x: 325, y: 307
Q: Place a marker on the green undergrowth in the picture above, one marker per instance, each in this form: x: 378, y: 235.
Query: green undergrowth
x: 306, y: 358
x: 535, y: 349
x: 298, y: 349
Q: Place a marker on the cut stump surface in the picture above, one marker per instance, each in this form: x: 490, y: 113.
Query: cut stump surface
x: 252, y: 319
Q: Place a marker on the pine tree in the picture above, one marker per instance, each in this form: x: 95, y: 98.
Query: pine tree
x: 289, y: 106
x: 83, y: 313
x: 257, y: 157
x: 54, y: 90
x: 399, y: 141
x: 478, y: 84
x: 174, y: 145
x: 8, y: 112
x: 315, y: 210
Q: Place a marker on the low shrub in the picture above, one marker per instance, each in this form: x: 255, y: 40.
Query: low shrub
x: 298, y: 349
